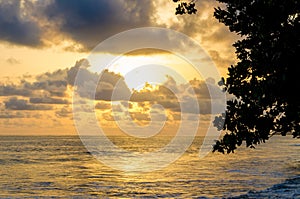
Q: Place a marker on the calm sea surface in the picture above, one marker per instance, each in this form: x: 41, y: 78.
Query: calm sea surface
x: 60, y: 166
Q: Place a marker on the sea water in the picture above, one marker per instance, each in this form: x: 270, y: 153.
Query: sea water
x: 61, y: 167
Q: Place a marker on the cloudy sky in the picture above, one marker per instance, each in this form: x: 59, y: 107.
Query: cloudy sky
x: 45, y: 43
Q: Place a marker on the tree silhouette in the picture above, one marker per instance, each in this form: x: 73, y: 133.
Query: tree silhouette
x: 184, y: 7
x: 265, y: 79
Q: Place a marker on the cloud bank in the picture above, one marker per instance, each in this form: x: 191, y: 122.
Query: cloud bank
x: 52, y: 92
x: 81, y: 25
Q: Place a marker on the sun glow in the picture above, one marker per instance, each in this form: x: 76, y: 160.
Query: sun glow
x: 153, y: 69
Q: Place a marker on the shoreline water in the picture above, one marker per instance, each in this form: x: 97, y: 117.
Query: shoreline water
x: 289, y: 189
x: 60, y: 167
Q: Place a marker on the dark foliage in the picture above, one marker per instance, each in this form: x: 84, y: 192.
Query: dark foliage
x: 185, y: 7
x: 265, y: 79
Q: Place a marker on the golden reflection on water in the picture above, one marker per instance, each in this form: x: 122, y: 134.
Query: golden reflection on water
x: 61, y: 167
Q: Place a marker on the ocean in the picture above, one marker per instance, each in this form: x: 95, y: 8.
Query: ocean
x: 61, y: 167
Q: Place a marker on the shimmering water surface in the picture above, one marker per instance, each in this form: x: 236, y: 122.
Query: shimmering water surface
x: 60, y: 166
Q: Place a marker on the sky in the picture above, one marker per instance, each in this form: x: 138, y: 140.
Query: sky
x: 44, y: 44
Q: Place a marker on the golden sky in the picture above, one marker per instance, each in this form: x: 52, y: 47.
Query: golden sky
x: 44, y: 44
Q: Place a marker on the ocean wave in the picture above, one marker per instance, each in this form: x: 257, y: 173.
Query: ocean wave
x: 290, y: 188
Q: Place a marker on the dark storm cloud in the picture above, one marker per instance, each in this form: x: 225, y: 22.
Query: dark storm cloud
x: 53, y: 87
x: 181, y: 97
x: 9, y: 90
x: 11, y: 115
x: 45, y: 85
x: 102, y: 86
x: 48, y: 100
x: 87, y: 22
x: 51, y: 84
x: 91, y: 21
x: 85, y: 74
x: 97, y: 86
x: 111, y: 83
x: 16, y: 26
x: 14, y: 103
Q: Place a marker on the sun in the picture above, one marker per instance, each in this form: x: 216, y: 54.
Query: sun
x: 153, y: 69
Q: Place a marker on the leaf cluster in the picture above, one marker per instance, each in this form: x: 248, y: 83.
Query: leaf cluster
x: 185, y: 7
x: 265, y: 79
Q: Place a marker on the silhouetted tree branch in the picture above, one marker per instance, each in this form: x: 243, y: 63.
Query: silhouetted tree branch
x: 184, y: 7
x: 265, y: 79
